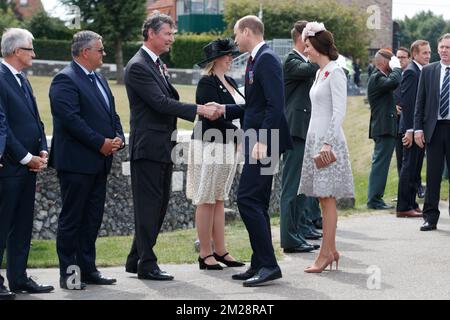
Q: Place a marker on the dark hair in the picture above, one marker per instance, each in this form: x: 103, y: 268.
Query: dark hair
x: 155, y: 22
x: 323, y: 42
x: 253, y: 23
x: 405, y: 50
x: 297, y: 30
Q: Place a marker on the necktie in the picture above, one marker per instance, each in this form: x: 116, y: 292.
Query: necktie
x: 445, y: 91
x: 249, y: 71
x: 93, y: 78
x: 26, y: 91
x: 158, y: 65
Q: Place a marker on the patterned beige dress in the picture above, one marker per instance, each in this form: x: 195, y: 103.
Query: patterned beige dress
x: 211, y: 169
x: 329, y: 103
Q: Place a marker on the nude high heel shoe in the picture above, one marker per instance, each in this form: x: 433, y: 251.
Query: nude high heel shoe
x: 336, y: 257
x: 319, y: 269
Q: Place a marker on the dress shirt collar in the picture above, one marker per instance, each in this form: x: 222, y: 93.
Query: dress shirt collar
x: 443, y: 67
x: 150, y: 53
x: 301, y: 55
x: 256, y: 49
x: 83, y: 68
x: 418, y: 65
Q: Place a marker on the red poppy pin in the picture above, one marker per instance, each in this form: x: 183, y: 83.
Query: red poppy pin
x: 327, y: 73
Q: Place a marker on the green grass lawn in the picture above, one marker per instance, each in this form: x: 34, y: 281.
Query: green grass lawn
x: 177, y: 247
x: 171, y: 247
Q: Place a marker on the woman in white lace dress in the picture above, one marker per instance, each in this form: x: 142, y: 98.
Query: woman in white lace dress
x: 325, y: 136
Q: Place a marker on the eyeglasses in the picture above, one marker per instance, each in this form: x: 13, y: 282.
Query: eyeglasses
x: 101, y: 50
x: 27, y: 49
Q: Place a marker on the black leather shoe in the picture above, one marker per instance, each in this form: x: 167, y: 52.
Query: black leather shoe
x: 244, y: 275
x: 5, y: 294
x: 313, y: 236
x: 97, y: 278
x: 31, y: 286
x: 318, y: 224
x: 428, y: 227
x: 131, y: 268
x: 70, y: 286
x: 155, y: 275
x: 264, y: 275
x: 383, y: 206
x: 299, y: 249
x: 315, y: 246
x: 203, y: 265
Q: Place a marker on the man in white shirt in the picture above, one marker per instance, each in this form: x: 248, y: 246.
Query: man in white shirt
x: 26, y: 154
x: 432, y: 127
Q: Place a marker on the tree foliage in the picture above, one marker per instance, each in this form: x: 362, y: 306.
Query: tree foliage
x: 116, y: 21
x: 348, y: 23
x: 7, y: 16
x: 424, y: 25
x: 42, y: 26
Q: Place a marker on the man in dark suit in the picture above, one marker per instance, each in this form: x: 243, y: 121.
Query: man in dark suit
x: 266, y: 137
x: 2, y: 133
x: 25, y: 155
x: 403, y: 56
x: 86, y: 134
x: 432, y: 127
x: 412, y: 154
x: 383, y: 123
x: 299, y: 76
x: 154, y: 109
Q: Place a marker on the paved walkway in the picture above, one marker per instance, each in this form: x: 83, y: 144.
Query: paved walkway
x: 408, y: 264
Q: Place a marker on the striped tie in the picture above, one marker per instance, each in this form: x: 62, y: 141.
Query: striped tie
x: 445, y: 92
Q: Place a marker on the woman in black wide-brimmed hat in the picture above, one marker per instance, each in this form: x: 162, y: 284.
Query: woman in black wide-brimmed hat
x: 212, y: 156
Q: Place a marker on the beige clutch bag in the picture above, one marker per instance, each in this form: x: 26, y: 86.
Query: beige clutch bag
x: 321, y: 164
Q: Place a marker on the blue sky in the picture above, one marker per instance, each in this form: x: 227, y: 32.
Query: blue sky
x: 400, y: 7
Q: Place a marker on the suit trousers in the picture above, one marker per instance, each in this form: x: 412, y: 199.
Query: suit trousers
x: 293, y: 207
x: 409, y: 178
x: 16, y: 224
x: 253, y: 203
x: 399, y: 153
x: 83, y: 203
x: 150, y: 182
x: 381, y: 160
x: 438, y: 152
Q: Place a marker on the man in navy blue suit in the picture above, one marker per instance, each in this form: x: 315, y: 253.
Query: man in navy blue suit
x: 264, y: 115
x: 412, y: 157
x: 86, y: 134
x: 25, y: 155
x: 2, y: 133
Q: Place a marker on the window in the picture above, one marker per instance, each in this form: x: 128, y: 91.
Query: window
x: 23, y: 3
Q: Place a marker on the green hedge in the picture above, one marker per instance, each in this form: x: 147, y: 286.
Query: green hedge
x: 187, y: 49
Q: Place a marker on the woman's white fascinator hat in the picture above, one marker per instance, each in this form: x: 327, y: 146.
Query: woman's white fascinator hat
x: 312, y: 28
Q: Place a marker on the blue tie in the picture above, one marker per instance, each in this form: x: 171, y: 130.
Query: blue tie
x: 445, y: 92
x: 97, y: 90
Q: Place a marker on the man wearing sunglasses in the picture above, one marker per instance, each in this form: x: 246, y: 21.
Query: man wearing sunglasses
x: 86, y: 134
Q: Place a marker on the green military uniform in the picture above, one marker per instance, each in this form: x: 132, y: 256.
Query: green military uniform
x: 298, y: 79
x: 383, y: 130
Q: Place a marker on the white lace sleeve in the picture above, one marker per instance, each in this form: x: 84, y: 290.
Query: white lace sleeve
x: 338, y: 84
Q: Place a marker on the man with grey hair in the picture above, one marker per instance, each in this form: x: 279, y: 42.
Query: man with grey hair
x: 154, y: 109
x: 25, y: 155
x: 86, y: 134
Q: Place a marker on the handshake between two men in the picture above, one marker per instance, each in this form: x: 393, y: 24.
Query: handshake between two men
x: 211, y: 110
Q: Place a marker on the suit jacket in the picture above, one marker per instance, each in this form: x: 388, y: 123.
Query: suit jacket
x: 265, y: 104
x: 383, y: 113
x: 409, y: 84
x: 298, y: 80
x: 154, y: 110
x: 210, y: 88
x: 3, y: 131
x: 25, y: 130
x: 81, y: 122
x: 428, y: 98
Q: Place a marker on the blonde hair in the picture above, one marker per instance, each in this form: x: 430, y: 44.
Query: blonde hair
x: 208, y: 70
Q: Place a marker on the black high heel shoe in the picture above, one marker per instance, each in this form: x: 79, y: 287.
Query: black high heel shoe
x: 227, y: 262
x: 203, y: 265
